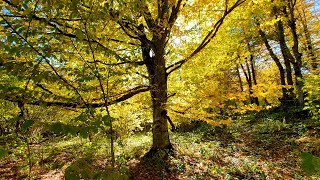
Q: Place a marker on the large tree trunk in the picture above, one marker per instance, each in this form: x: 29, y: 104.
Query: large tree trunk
x: 159, y: 100
x: 153, y: 55
x: 299, y: 82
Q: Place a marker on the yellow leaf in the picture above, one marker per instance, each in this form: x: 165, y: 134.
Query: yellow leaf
x: 172, y: 2
x: 26, y: 12
x: 15, y: 2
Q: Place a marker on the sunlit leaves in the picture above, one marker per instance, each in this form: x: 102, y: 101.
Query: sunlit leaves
x: 312, y: 88
x: 79, y: 34
x: 81, y: 169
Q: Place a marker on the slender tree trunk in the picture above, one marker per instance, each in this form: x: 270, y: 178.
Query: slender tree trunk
x: 299, y: 83
x: 239, y: 78
x: 253, y: 72
x: 297, y: 55
x: 287, y: 58
x: 279, y: 65
x: 250, y: 83
x: 247, y: 74
x: 173, y: 127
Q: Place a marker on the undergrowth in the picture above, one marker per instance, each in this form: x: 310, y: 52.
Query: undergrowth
x: 263, y: 145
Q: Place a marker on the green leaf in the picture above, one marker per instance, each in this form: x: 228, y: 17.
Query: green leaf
x: 3, y: 152
x: 80, y: 169
x: 79, y: 34
x: 84, y: 133
x: 107, y: 120
x: 27, y: 124
x: 57, y: 128
x: 310, y: 164
x: 82, y: 117
x: 70, y: 174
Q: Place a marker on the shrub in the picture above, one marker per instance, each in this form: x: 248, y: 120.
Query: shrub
x: 312, y: 90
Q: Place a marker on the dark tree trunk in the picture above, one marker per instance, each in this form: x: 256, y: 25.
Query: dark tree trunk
x: 173, y: 127
x: 254, y: 79
x: 249, y: 81
x: 253, y: 70
x: 153, y: 55
x: 297, y: 55
x: 287, y: 58
x: 247, y: 73
x: 299, y: 82
x: 279, y: 65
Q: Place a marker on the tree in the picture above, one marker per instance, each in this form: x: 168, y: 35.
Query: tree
x: 307, y: 21
x: 283, y: 19
x: 59, y: 38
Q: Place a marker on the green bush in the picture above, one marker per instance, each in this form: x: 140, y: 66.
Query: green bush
x: 310, y: 164
x: 312, y: 89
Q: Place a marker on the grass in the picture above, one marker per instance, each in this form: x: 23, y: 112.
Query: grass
x: 259, y: 148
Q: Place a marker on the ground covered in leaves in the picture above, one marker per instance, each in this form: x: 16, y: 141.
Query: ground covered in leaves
x: 250, y: 148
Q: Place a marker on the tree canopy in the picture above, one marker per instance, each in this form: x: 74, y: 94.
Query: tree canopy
x: 199, y: 60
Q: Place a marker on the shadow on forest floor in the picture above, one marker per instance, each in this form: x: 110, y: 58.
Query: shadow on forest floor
x: 258, y: 150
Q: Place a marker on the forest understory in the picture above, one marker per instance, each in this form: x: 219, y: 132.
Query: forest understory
x: 264, y: 145
x: 160, y: 89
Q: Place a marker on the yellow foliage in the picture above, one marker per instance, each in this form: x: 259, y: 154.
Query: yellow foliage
x: 226, y: 122
x: 246, y: 108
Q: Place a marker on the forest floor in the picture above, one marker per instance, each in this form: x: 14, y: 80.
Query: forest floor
x: 247, y: 149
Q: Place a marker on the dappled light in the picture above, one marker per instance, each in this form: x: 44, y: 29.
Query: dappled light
x: 159, y: 89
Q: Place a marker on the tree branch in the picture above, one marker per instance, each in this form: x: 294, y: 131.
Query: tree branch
x: 148, y: 17
x: 211, y: 34
x: 43, y: 88
x: 120, y: 63
x: 128, y: 94
x: 46, y: 60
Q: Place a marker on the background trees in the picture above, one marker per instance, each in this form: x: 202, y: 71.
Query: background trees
x: 203, y: 60
x: 104, y: 71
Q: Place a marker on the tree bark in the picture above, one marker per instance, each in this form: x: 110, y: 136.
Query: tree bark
x: 153, y: 55
x: 239, y: 78
x: 254, y: 79
x: 287, y: 58
x: 173, y: 127
x: 297, y: 55
x: 279, y: 65
x: 249, y: 81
